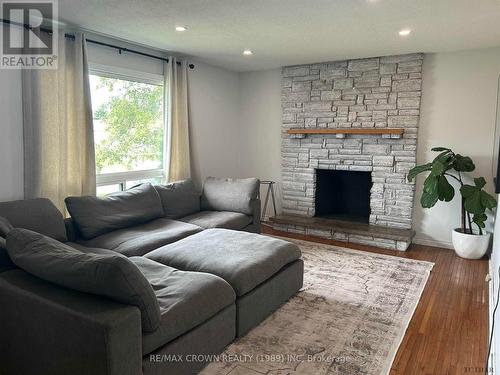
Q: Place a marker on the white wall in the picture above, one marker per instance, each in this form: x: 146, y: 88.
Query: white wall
x: 214, y: 129
x: 458, y: 110
x: 260, y: 122
x: 102, y: 55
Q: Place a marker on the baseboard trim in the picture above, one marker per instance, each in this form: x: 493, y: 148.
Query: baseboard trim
x: 434, y: 243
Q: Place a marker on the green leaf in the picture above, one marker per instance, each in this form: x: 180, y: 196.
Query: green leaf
x: 479, y: 219
x: 487, y: 200
x: 445, y: 190
x: 467, y: 190
x: 480, y: 182
x: 428, y: 200
x: 418, y: 169
x: 446, y: 157
x: 438, y: 168
x: 480, y: 224
x: 473, y: 204
x: 431, y: 185
x: 463, y: 163
x: 430, y: 195
x: 438, y: 149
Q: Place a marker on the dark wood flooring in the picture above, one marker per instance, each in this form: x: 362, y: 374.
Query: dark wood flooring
x: 448, y: 333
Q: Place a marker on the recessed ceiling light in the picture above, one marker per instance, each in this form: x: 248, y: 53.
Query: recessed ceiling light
x: 180, y: 28
x: 248, y: 52
x: 405, y: 32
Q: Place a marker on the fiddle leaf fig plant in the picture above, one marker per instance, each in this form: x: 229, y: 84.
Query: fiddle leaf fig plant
x: 447, y: 164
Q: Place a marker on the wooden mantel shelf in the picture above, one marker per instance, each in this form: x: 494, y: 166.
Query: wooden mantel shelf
x: 389, y: 132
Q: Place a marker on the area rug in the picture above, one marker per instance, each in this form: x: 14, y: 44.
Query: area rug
x: 349, y: 318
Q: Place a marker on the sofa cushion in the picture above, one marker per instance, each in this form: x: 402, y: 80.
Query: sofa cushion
x: 219, y: 219
x: 110, y: 275
x: 39, y: 215
x: 94, y: 216
x: 141, y: 239
x: 227, y: 194
x: 93, y: 250
x: 6, y: 263
x: 243, y: 259
x: 179, y: 198
x: 5, y: 227
x: 187, y: 299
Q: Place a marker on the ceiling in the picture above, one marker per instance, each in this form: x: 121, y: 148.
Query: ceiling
x: 288, y: 32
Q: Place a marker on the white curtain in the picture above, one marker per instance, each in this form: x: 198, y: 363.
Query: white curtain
x: 59, y: 158
x: 177, y: 160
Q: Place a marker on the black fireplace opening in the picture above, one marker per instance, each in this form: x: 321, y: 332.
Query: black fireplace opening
x: 343, y: 195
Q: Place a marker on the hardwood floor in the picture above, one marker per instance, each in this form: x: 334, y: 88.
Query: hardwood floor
x: 448, y: 333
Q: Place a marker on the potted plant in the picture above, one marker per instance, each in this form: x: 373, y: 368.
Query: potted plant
x: 470, y: 240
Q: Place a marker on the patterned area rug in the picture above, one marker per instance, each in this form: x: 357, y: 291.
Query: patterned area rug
x: 349, y: 318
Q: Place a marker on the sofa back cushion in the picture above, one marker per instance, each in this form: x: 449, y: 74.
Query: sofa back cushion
x: 39, y: 215
x: 179, y: 198
x: 6, y: 263
x: 5, y: 227
x: 107, y: 274
x: 227, y: 194
x: 94, y: 216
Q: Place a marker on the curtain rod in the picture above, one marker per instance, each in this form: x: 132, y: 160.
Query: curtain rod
x: 120, y: 49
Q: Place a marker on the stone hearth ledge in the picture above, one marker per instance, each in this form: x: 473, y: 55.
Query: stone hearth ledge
x: 366, y: 234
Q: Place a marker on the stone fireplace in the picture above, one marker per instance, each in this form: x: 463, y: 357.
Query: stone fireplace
x: 359, y: 116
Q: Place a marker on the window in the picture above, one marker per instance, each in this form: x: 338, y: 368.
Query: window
x: 129, y: 130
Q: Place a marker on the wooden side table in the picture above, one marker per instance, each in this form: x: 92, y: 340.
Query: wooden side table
x: 270, y: 192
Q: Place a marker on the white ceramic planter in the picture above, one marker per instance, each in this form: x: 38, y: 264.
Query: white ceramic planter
x: 470, y: 246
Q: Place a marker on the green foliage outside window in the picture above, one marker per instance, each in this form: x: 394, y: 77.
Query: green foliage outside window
x: 133, y: 118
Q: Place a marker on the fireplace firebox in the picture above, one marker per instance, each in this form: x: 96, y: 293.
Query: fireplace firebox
x: 343, y: 195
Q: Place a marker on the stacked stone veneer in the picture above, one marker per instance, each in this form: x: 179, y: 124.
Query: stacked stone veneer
x: 366, y: 93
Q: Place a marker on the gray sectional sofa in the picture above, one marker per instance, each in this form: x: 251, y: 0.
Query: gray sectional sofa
x: 146, y: 217
x: 145, y: 281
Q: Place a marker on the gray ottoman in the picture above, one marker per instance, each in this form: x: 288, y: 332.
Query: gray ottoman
x: 263, y: 271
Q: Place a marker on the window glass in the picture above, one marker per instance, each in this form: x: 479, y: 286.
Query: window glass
x: 107, y: 189
x: 128, y: 124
